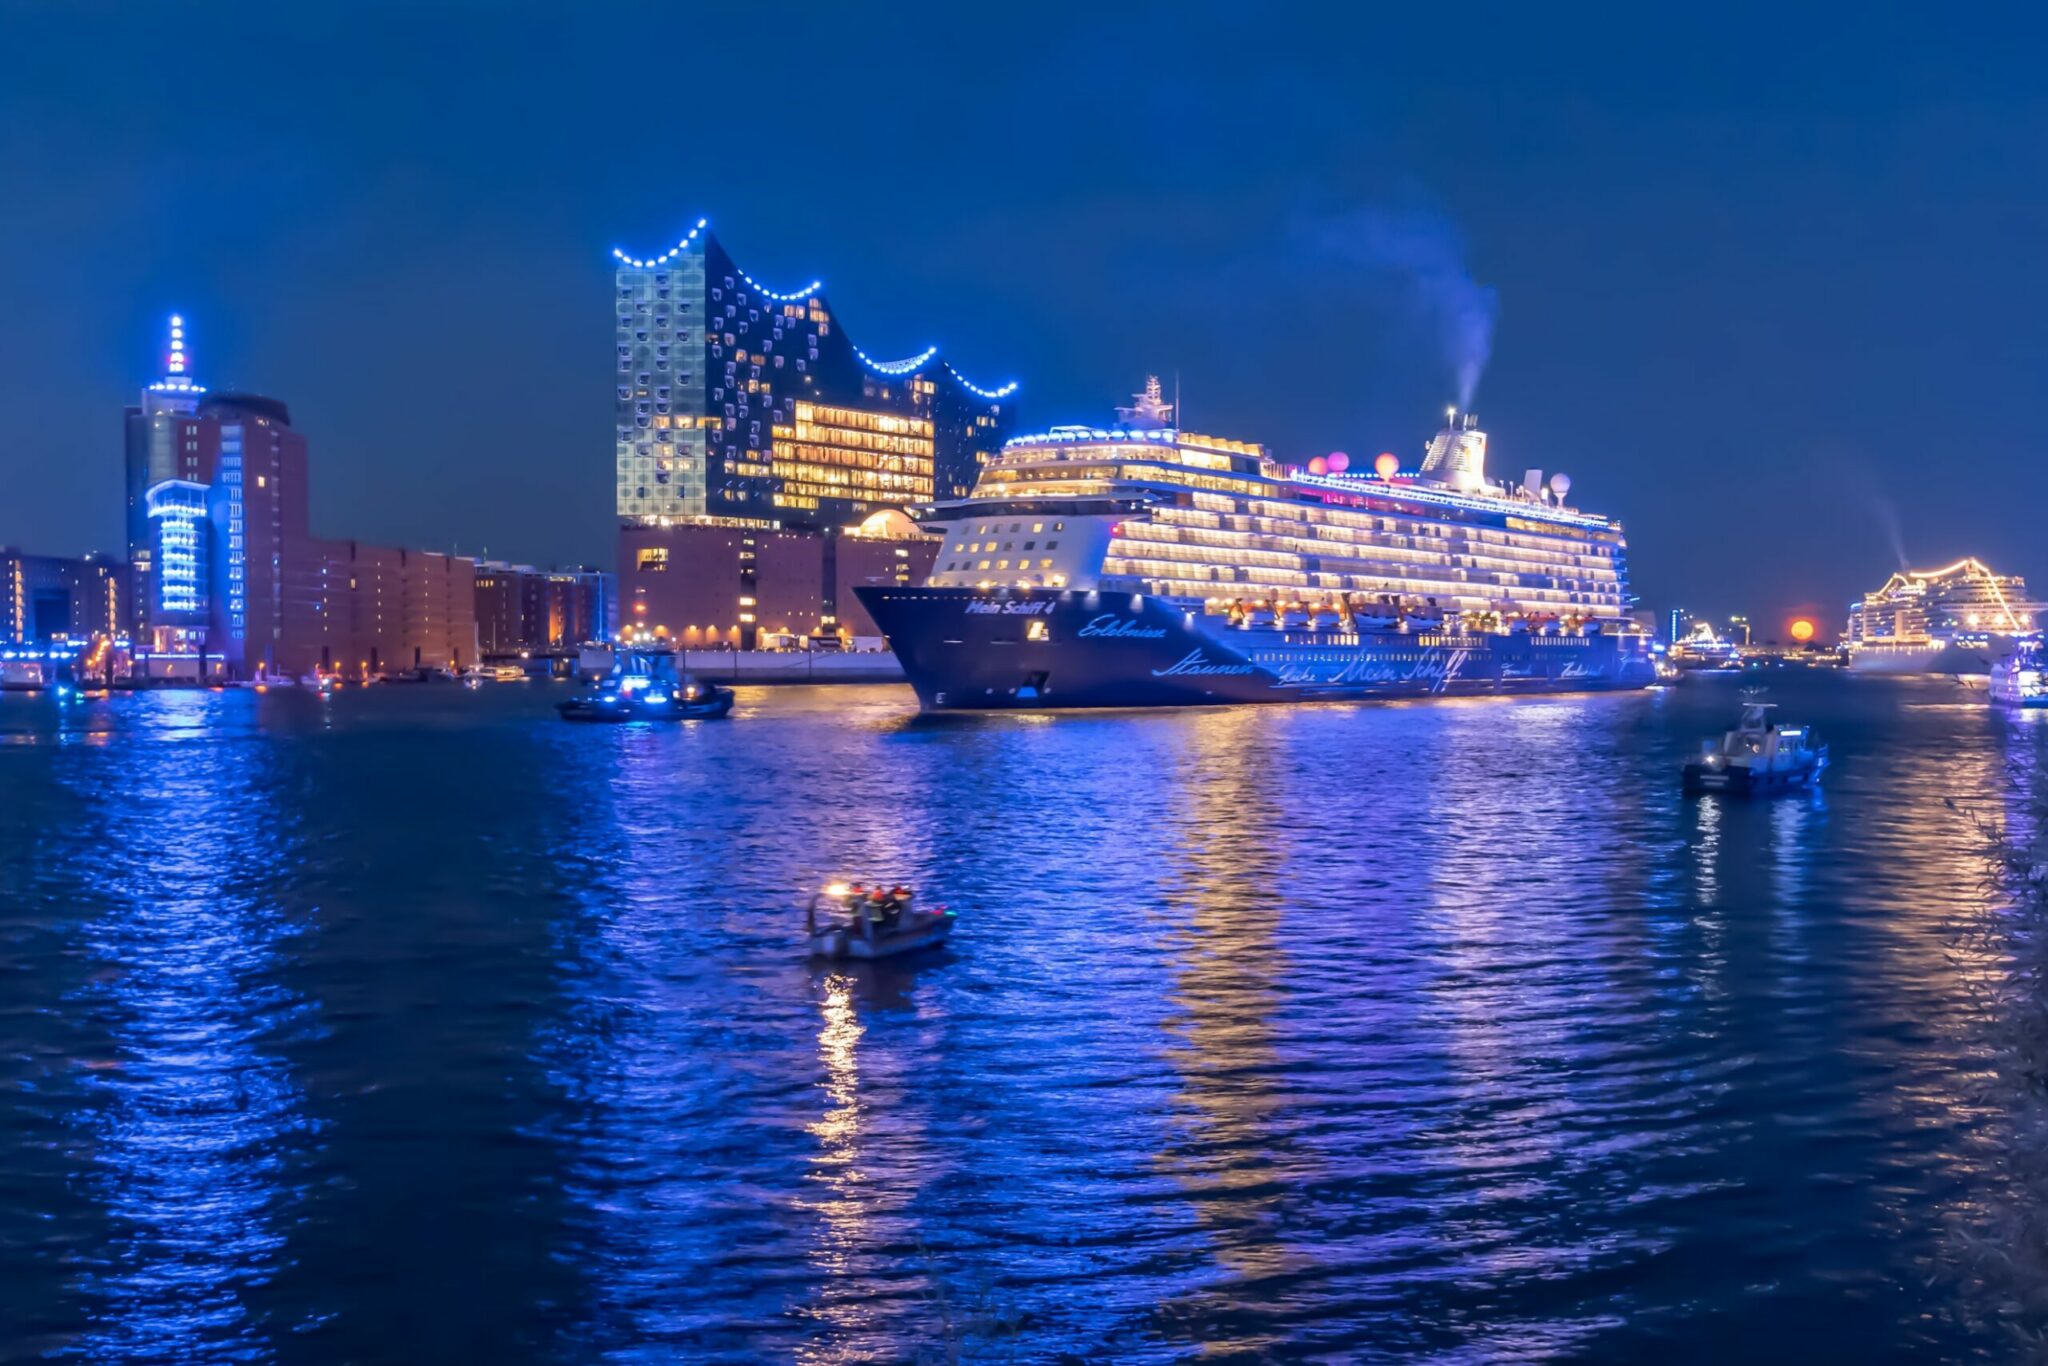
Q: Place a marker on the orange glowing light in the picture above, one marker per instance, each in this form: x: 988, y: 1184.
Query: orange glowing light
x: 1802, y: 630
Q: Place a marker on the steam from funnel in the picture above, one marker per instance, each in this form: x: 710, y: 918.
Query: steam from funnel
x: 1888, y: 517
x: 1424, y: 254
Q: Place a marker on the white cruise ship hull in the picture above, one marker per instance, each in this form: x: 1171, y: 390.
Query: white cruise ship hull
x: 1941, y: 657
x: 969, y: 649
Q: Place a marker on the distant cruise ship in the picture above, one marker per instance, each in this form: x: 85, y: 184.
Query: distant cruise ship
x: 1953, y: 620
x: 1144, y: 565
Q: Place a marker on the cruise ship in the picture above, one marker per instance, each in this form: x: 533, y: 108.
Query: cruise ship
x: 1144, y: 565
x: 1952, y: 620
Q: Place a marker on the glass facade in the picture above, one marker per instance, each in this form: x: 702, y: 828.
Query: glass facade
x: 662, y: 463
x: 864, y: 460
x: 712, y: 368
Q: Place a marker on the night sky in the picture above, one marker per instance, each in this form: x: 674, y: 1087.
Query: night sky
x: 1769, y: 287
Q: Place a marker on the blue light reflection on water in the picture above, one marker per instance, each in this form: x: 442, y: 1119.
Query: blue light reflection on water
x: 186, y: 1115
x: 1441, y: 1029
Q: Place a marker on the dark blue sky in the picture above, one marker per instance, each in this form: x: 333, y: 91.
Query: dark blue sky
x: 1765, y: 281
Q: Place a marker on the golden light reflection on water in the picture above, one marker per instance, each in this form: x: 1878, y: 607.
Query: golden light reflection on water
x: 838, y: 1129
x: 1226, y: 867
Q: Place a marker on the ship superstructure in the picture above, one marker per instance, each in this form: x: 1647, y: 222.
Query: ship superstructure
x: 1260, y: 581
x: 1953, y: 620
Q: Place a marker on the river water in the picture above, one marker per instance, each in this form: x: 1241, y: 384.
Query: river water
x: 413, y: 1025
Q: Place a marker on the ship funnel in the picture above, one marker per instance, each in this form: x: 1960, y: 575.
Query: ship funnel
x: 1457, y: 456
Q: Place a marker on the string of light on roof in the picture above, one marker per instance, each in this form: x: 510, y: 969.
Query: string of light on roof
x: 974, y: 388
x: 666, y: 256
x: 779, y: 297
x: 897, y: 367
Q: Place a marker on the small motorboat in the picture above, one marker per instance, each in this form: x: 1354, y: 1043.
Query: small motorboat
x: 1758, y: 756
x: 643, y: 686
x: 2019, y: 678
x: 856, y: 922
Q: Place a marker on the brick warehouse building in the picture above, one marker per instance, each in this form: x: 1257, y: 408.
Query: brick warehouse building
x: 709, y: 586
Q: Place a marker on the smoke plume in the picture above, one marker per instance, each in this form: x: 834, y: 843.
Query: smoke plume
x: 1423, y: 254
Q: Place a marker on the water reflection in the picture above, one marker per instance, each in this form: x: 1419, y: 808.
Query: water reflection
x: 195, y: 1112
x: 1346, y: 1032
x: 720, y: 1134
x: 1228, y: 847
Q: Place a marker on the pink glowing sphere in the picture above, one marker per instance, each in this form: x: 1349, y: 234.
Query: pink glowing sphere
x: 1318, y: 465
x: 1387, y: 465
x: 1339, y: 462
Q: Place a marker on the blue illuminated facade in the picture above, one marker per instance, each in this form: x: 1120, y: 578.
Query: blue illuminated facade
x: 178, y: 548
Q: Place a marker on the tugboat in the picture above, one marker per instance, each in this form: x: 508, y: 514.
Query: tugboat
x: 1758, y: 756
x: 855, y: 922
x: 2020, y: 676
x: 643, y: 686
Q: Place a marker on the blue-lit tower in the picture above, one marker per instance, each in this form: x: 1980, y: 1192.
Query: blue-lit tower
x: 217, y: 536
x: 172, y: 455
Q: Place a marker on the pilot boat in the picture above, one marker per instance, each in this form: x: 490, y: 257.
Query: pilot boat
x: 1758, y: 756
x: 854, y: 922
x: 643, y: 686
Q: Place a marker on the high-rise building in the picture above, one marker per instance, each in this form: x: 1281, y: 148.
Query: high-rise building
x: 740, y: 403
x: 216, y: 492
x: 227, y: 575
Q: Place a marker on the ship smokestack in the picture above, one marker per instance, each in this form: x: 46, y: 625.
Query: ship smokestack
x: 1457, y: 455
